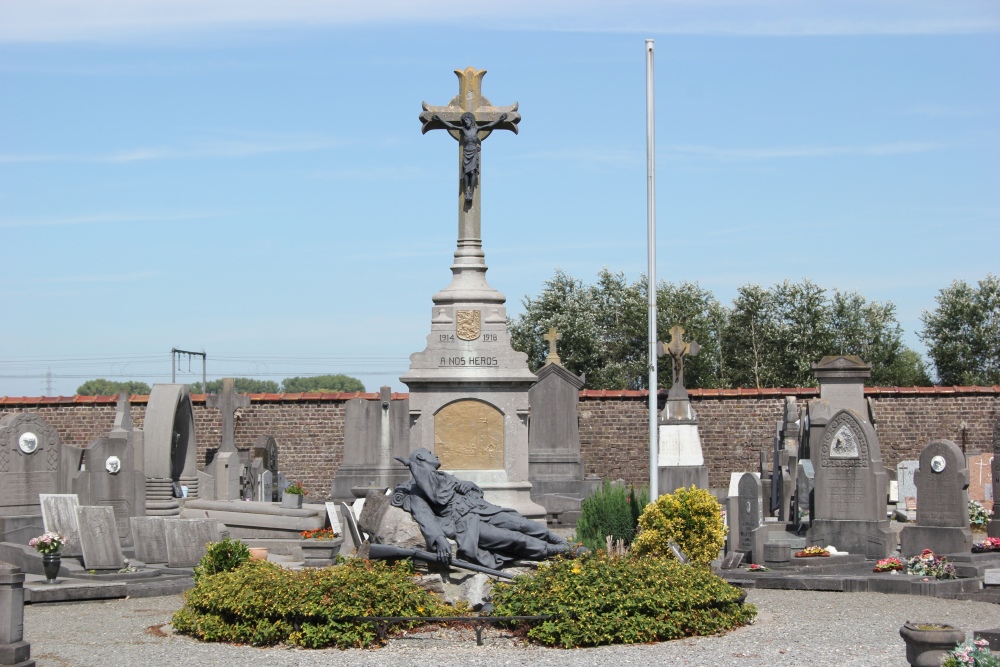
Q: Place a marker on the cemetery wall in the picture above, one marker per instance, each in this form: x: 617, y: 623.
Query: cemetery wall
x: 614, y: 435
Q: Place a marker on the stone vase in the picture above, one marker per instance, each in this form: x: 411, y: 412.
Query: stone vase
x: 292, y: 501
x: 927, y: 643
x: 320, y: 553
x: 50, y: 565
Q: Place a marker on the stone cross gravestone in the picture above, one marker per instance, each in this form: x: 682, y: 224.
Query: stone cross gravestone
x: 552, y: 337
x: 226, y: 465
x: 187, y: 540
x: 943, y: 511
x: 679, y: 457
x: 29, y: 463
x: 59, y: 516
x: 99, y: 538
x: 150, y: 538
x: 752, y: 531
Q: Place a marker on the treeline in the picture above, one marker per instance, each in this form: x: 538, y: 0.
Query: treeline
x: 767, y: 337
x: 291, y: 385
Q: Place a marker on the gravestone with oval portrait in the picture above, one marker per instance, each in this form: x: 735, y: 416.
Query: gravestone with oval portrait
x: 943, y: 511
x: 30, y: 451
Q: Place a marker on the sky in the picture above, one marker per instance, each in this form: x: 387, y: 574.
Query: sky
x: 248, y: 178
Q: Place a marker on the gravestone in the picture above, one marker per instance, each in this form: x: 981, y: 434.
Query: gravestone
x: 993, y: 529
x: 943, y: 511
x: 851, y: 489
x: 13, y: 649
x: 187, y: 540
x: 805, y: 482
x: 263, y: 457
x: 906, y: 486
x: 680, y: 460
x: 99, y: 538
x: 266, y: 491
x: 150, y: 538
x: 374, y: 433
x: 333, y: 516
x: 555, y: 466
x: 733, y: 512
x: 59, y: 516
x: 29, y: 463
x: 468, y: 389
x: 170, y: 450
x: 750, y: 523
x: 226, y: 466
x: 981, y: 479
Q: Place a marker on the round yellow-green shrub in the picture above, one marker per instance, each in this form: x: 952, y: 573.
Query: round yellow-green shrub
x: 690, y: 517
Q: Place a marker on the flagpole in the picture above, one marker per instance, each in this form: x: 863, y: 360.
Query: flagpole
x: 651, y: 287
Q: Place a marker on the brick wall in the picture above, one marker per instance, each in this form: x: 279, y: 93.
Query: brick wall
x: 614, y: 426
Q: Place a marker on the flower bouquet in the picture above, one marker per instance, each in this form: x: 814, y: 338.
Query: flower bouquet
x: 295, y: 488
x: 754, y: 567
x: 319, y: 534
x: 971, y: 654
x: 929, y: 565
x: 889, y: 565
x: 812, y: 552
x: 49, y: 543
x: 987, y: 545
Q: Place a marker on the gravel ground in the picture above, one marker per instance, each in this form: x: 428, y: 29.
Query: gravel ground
x: 793, y: 628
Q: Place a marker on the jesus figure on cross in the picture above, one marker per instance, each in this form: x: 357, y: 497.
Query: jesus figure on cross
x: 471, y: 147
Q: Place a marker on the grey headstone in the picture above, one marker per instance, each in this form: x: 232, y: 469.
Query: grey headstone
x: 333, y: 513
x: 59, y: 516
x: 114, y: 481
x: 265, y: 487
x: 170, y: 450
x: 99, y: 538
x: 943, y: 511
x: 352, y: 525
x: 805, y: 482
x: 732, y: 560
x: 150, y: 539
x: 187, y: 540
x: 30, y: 452
x: 753, y: 534
x: 905, y: 472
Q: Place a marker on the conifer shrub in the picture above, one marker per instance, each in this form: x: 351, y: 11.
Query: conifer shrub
x: 691, y: 517
x: 222, y: 556
x: 262, y: 604
x: 596, y: 599
x: 613, y: 510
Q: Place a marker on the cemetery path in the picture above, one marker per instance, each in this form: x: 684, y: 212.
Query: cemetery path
x: 793, y: 628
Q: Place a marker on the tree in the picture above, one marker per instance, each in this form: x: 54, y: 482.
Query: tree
x: 322, y: 383
x: 102, y: 387
x: 962, y: 333
x: 242, y: 386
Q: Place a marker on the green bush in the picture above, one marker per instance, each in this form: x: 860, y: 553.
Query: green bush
x: 262, y: 604
x: 599, y: 600
x: 222, y: 556
x: 613, y: 510
x: 691, y: 517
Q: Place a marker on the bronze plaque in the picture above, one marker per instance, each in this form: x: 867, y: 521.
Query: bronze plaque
x: 468, y: 435
x: 467, y: 324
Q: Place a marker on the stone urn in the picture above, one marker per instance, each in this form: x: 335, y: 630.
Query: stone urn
x: 291, y: 501
x: 927, y: 643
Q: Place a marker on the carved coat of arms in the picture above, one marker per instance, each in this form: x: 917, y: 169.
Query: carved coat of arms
x: 467, y: 324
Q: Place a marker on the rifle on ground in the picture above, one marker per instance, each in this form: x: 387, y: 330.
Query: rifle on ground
x: 388, y: 551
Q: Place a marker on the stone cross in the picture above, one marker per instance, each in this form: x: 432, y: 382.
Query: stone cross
x: 552, y: 336
x: 228, y: 402
x: 485, y: 118
x: 677, y: 349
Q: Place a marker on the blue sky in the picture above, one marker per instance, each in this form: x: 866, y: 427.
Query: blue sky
x: 249, y: 178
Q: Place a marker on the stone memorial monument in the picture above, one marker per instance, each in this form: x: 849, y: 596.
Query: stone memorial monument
x: 226, y: 466
x: 750, y: 522
x: 374, y: 433
x: 680, y: 460
x: 170, y: 450
x: 943, y: 512
x: 469, y: 387
x: 555, y: 466
x: 29, y: 464
x: 13, y: 649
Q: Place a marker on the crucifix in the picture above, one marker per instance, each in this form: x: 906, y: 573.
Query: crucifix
x: 552, y: 336
x: 677, y: 349
x: 228, y: 403
x: 469, y: 118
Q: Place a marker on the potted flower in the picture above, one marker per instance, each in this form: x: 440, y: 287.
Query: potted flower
x: 292, y: 497
x: 320, y: 547
x: 927, y: 644
x: 971, y: 653
x: 50, y: 546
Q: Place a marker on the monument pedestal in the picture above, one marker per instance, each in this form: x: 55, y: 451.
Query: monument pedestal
x: 874, y: 539
x: 680, y: 460
x: 940, y: 540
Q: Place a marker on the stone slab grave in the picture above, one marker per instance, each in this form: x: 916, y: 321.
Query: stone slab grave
x: 59, y: 516
x: 750, y: 522
x: 468, y: 388
x: 187, y: 540
x: 30, y: 451
x: 150, y: 539
x: 99, y: 538
x: 942, y: 514
x: 680, y: 460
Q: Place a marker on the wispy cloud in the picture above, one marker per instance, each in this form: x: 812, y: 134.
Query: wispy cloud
x: 206, y: 149
x: 107, y: 219
x: 109, y: 20
x: 785, y: 152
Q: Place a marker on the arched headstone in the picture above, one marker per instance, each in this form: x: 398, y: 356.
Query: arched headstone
x: 29, y: 463
x: 169, y: 449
